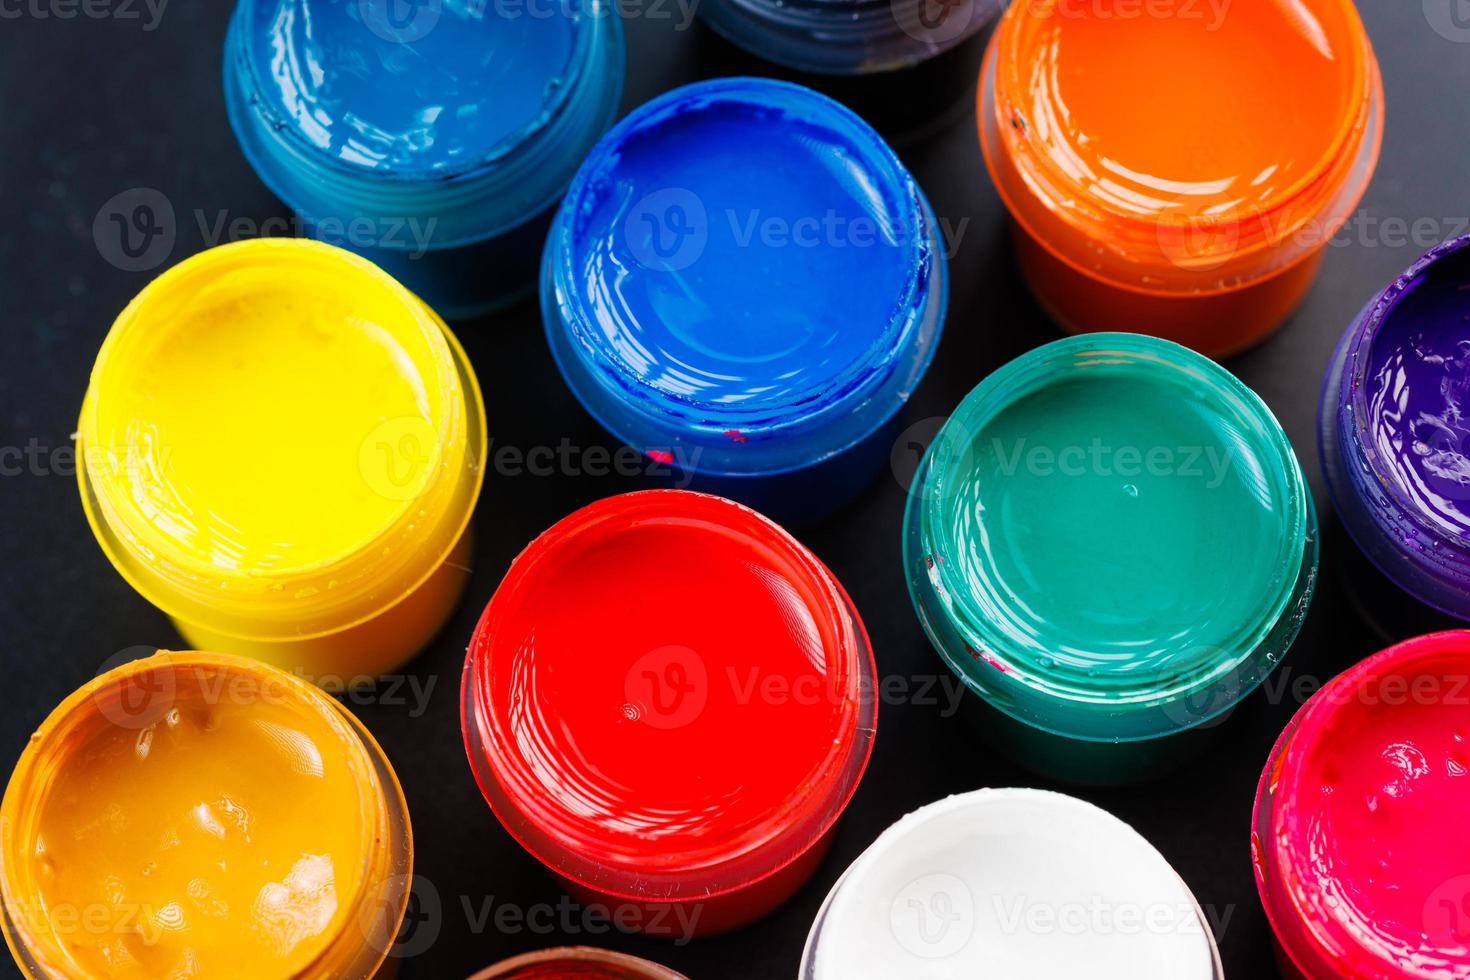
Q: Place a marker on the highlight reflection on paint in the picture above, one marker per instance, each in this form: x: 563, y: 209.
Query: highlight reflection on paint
x: 433, y: 139
x: 1361, y: 858
x: 281, y: 444
x: 207, y: 812
x: 1394, y: 439
x: 1179, y: 173
x: 438, y: 99
x: 1113, y: 520
x: 718, y: 730
x: 742, y: 266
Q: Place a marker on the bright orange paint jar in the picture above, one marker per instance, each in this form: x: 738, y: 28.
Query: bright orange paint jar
x: 1177, y: 167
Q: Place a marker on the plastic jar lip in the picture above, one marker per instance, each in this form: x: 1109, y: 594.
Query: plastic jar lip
x: 710, y: 869
x: 864, y: 394
x: 859, y: 890
x: 619, y: 966
x: 1355, y: 409
x: 325, y: 594
x: 1061, y: 700
x: 375, y: 907
x: 460, y: 196
x: 1158, y: 254
x: 846, y: 38
x: 1319, y: 942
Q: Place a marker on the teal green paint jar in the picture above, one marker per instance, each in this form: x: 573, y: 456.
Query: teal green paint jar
x: 1111, y: 543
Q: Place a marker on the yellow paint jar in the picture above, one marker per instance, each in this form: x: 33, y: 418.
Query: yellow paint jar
x: 199, y: 814
x: 281, y: 448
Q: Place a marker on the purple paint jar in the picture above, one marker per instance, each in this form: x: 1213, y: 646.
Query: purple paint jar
x: 1394, y: 429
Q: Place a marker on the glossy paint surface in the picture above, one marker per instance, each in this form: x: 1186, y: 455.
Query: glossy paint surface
x: 1119, y: 520
x: 451, y: 86
x: 1213, y: 110
x: 1361, y: 852
x: 212, y: 814
x: 748, y: 250
x: 241, y: 416
x: 1417, y: 390
x: 671, y: 682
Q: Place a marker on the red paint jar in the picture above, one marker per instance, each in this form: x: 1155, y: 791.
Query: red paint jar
x: 669, y: 702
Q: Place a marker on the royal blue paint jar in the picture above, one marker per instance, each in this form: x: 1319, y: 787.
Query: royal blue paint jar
x: 434, y: 139
x: 745, y: 283
x: 1394, y: 433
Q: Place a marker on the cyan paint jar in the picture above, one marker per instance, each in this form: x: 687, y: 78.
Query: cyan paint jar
x: 1393, y: 431
x: 745, y: 283
x: 1111, y: 543
x: 435, y: 145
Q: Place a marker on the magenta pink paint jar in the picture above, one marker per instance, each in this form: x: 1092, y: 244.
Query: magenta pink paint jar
x: 1360, y: 849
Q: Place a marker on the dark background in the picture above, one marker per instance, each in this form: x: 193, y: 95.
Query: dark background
x: 97, y: 107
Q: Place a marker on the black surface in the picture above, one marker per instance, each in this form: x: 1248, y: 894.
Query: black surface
x: 95, y: 107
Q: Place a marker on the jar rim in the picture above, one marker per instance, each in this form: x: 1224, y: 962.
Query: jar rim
x: 188, y: 587
x: 992, y: 665
x: 540, y: 825
x: 385, y: 837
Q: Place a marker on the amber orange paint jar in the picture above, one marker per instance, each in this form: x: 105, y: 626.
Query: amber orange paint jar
x: 1178, y: 167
